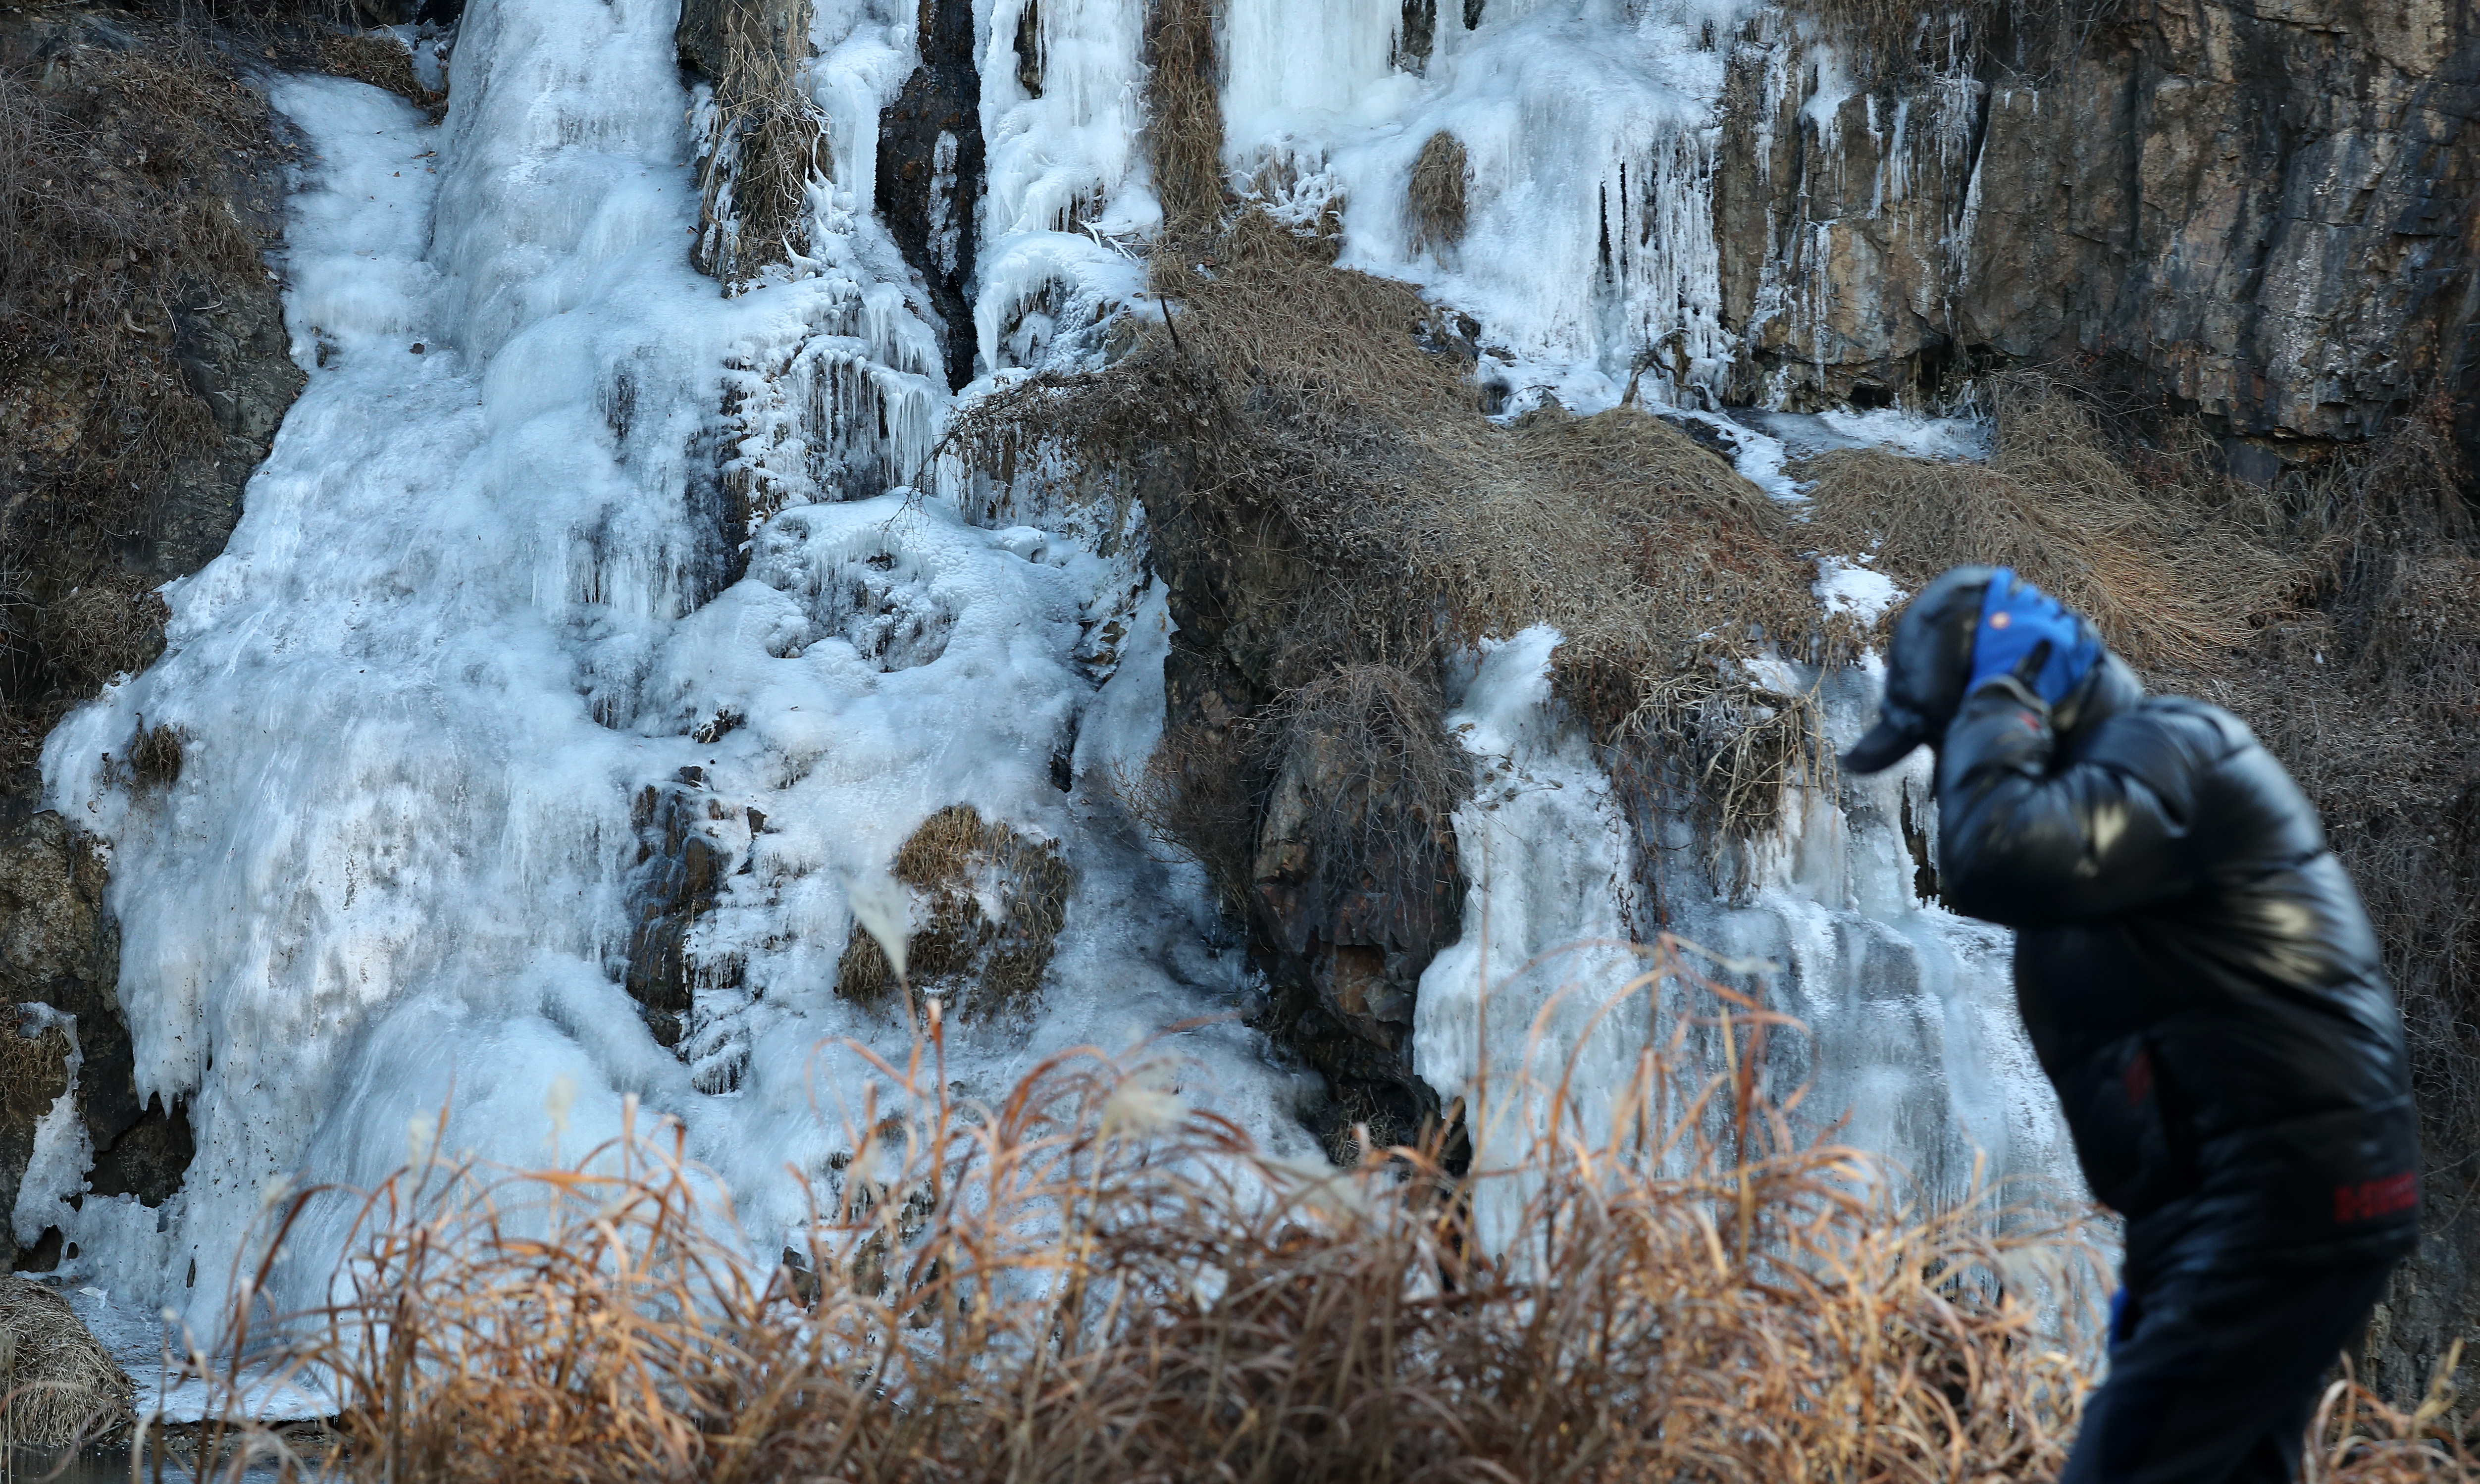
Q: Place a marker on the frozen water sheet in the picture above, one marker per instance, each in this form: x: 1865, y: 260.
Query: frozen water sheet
x: 1585, y: 263
x: 489, y: 597
x: 1912, y: 1040
x: 483, y: 597
x: 1515, y: 1005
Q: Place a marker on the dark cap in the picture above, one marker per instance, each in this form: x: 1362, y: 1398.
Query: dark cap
x: 1927, y: 666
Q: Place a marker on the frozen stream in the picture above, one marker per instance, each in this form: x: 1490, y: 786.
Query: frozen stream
x: 487, y: 623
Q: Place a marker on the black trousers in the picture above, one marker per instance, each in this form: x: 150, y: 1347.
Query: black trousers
x: 2213, y: 1372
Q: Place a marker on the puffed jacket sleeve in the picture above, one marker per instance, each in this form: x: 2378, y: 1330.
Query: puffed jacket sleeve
x: 2028, y: 845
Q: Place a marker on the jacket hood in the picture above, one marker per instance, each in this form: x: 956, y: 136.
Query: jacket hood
x: 1927, y: 665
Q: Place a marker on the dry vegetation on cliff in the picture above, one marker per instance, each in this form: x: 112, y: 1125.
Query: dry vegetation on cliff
x: 992, y: 902
x: 1321, y: 431
x: 765, y: 143
x: 2175, y: 571
x: 104, y: 231
x: 1324, y: 421
x: 142, y: 359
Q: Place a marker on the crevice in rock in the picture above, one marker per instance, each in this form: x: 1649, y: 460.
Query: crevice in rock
x: 930, y: 159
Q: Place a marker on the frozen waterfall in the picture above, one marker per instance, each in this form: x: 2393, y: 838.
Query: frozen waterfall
x: 564, y: 549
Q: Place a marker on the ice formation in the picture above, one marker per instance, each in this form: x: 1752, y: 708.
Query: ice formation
x: 487, y: 614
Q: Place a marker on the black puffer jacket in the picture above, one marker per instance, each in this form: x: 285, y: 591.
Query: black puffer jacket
x: 2196, y: 971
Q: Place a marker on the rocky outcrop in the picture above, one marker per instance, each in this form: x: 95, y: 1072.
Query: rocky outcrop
x: 1322, y: 811
x: 232, y: 353
x: 146, y: 365
x: 683, y: 852
x: 60, y: 956
x: 2262, y: 210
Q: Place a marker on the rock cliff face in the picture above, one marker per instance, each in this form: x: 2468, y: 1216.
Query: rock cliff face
x: 2265, y: 211
x: 1342, y: 935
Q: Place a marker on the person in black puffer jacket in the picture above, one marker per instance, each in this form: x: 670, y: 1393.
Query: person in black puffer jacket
x: 2202, y: 987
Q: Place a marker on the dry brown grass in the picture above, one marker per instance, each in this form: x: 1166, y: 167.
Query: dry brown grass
x: 1362, y: 751
x: 1198, y: 793
x: 1183, y: 138
x: 35, y: 1067
x: 979, y: 965
x: 2358, y: 1438
x: 768, y: 143
x: 1435, y: 200
x: 58, y: 1387
x: 380, y: 60
x: 153, y: 759
x: 111, y: 626
x: 1092, y: 1281
x: 2175, y: 573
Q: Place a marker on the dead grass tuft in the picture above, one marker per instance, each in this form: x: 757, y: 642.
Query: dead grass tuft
x: 155, y: 755
x: 34, y: 1067
x: 380, y: 60
x: 109, y: 627
x: 978, y: 962
x: 766, y: 143
x: 1199, y: 793
x: 1759, y: 744
x: 2174, y: 575
x: 1184, y: 112
x: 1088, y: 1280
x: 1435, y: 203
x: 59, y: 1389
x: 2358, y: 1439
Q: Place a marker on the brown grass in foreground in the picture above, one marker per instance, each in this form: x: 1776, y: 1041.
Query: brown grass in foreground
x: 1091, y: 1280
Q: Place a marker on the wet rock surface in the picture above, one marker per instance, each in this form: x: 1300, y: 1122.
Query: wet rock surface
x: 704, y: 27
x: 687, y: 840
